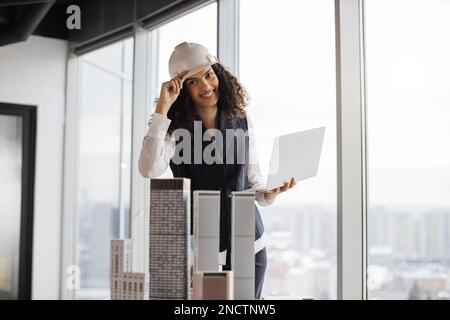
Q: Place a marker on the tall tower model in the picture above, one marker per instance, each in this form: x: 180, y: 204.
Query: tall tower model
x: 243, y: 244
x: 206, y: 206
x: 170, y: 260
x: 121, y: 260
x: 121, y: 256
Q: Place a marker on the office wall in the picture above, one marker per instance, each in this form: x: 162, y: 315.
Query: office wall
x: 34, y: 73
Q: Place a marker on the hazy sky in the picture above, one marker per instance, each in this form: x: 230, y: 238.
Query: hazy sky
x: 408, y: 73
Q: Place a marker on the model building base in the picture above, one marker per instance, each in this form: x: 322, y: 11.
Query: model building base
x: 213, y: 285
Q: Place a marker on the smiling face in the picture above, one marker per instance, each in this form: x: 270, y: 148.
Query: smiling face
x: 203, y: 87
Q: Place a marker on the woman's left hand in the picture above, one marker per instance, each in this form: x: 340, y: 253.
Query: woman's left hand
x: 272, y: 194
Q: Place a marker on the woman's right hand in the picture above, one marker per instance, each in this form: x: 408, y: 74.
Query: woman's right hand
x: 169, y: 93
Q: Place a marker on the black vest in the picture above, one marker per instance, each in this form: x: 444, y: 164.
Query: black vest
x: 223, y: 177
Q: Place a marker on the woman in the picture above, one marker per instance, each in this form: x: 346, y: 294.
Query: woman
x: 202, y: 90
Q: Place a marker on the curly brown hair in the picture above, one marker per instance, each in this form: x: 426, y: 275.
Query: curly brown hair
x: 232, y: 99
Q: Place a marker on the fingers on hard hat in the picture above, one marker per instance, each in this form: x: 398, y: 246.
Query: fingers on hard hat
x: 173, y: 85
x: 182, y: 74
x: 180, y: 83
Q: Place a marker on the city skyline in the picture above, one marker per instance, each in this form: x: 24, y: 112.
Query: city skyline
x: 302, y: 261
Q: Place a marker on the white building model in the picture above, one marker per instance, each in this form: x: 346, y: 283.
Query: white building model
x: 206, y: 206
x: 243, y: 244
x: 126, y: 285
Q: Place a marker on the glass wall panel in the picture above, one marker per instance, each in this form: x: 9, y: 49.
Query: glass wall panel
x: 408, y: 76
x: 287, y: 64
x: 104, y: 162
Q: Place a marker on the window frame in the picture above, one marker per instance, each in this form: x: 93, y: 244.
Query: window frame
x: 22, y: 282
x: 351, y: 149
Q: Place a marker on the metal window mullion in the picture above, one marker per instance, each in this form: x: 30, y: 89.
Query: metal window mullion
x: 364, y: 117
x: 70, y: 225
x: 121, y: 151
x: 351, y: 226
x: 152, y: 92
x: 228, y: 34
x: 139, y: 185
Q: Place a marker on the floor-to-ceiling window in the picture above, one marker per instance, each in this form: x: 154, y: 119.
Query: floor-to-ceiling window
x: 199, y: 26
x: 408, y: 98
x: 287, y: 64
x: 103, y: 193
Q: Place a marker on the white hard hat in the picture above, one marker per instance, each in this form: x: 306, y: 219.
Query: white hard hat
x: 189, y: 56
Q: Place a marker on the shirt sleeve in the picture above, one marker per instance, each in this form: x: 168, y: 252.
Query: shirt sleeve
x: 157, y: 147
x: 254, y: 171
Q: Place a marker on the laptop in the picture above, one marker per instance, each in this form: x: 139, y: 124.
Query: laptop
x: 294, y: 155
